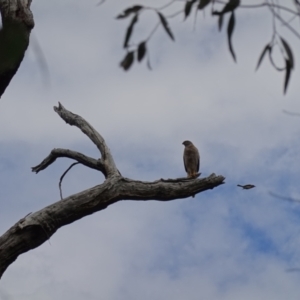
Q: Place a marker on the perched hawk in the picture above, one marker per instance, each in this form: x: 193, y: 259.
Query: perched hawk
x: 191, y: 159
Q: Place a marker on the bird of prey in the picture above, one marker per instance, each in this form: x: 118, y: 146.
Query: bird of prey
x: 247, y: 186
x: 191, y: 159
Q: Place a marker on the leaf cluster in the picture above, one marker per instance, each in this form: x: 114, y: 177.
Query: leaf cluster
x: 139, y: 51
x: 229, y: 7
x: 287, y: 56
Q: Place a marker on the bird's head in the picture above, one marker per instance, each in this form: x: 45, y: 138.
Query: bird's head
x: 187, y: 143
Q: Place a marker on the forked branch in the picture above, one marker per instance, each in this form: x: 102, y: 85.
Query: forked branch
x: 36, y: 228
x: 87, y: 161
x: 107, y: 160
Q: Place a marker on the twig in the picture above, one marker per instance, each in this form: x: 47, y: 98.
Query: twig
x: 290, y: 199
x: 153, y: 31
x: 100, y: 2
x: 62, y: 177
x: 286, y: 24
x: 76, y: 120
x: 87, y: 161
x: 166, y: 5
x: 291, y: 113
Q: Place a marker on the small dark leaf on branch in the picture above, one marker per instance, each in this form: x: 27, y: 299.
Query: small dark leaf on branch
x: 188, y: 7
x: 231, y: 5
x: 220, y: 22
x: 203, y: 3
x: 129, y: 30
x: 230, y: 29
x: 273, y: 63
x: 127, y: 61
x: 129, y: 11
x: 288, y: 51
x: 141, y: 51
x: 288, y: 68
x: 267, y: 48
x: 165, y: 24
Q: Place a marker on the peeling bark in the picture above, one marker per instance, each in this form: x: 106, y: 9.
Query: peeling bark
x: 36, y: 228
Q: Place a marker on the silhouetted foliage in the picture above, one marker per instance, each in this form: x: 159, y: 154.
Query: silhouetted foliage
x: 219, y: 9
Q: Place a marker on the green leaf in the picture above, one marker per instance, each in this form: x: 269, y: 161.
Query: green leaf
x: 230, y: 28
x: 203, y: 3
x: 288, y: 68
x: 288, y: 51
x: 165, y: 24
x: 127, y: 61
x: 129, y: 11
x: 141, y: 51
x: 267, y: 48
x: 129, y: 30
x: 188, y: 7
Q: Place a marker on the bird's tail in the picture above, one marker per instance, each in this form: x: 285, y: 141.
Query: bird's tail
x: 239, y: 185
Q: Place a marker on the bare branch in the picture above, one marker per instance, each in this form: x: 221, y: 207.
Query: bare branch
x: 62, y: 177
x: 283, y: 22
x: 182, y: 178
x: 100, y: 3
x: 81, y: 158
x: 36, y: 228
x: 94, y: 136
x: 165, y: 5
x: 290, y: 199
x: 291, y: 113
x: 170, y: 189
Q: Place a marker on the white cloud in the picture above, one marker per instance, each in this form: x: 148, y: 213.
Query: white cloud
x: 224, y: 244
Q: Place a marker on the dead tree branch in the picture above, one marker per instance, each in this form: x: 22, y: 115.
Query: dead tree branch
x: 93, y: 135
x: 87, y: 161
x: 36, y: 228
x: 62, y: 177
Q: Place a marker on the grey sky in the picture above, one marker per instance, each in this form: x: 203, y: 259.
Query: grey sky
x: 224, y: 244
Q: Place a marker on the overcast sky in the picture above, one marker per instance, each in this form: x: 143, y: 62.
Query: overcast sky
x: 226, y: 243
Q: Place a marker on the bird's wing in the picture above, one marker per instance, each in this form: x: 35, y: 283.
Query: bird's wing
x: 198, y: 160
x: 185, y: 159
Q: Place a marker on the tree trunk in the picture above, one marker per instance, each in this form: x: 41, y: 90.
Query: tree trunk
x: 17, y: 22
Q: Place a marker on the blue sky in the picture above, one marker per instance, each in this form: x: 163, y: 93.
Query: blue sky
x: 223, y: 244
